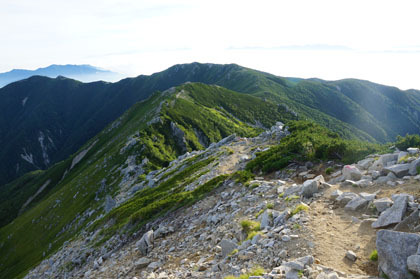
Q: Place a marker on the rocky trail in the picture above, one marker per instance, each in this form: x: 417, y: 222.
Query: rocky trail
x: 298, y: 223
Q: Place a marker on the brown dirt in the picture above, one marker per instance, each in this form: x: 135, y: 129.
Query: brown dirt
x: 335, y: 233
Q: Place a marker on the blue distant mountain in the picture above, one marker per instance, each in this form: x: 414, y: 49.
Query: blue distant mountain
x: 85, y: 73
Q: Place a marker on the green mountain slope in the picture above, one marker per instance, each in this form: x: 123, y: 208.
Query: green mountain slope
x: 146, y: 137
x: 43, y: 121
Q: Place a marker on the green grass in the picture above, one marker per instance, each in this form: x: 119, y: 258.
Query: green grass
x: 299, y: 208
x: 243, y: 176
x: 259, y: 213
x: 374, y: 255
x: 291, y: 198
x: 270, y: 206
x: 418, y: 170
x: 249, y: 226
x: 251, y: 235
x: 329, y: 170
x: 257, y: 271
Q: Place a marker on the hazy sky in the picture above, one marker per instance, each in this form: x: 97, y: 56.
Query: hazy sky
x: 374, y: 40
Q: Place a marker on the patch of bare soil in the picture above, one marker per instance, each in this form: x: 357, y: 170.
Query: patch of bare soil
x: 335, y: 233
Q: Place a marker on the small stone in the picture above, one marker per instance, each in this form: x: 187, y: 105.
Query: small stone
x: 351, y: 256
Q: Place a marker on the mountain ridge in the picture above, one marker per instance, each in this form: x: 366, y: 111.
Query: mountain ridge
x: 91, y: 106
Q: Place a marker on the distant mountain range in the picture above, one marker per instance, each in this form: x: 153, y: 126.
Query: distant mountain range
x: 85, y: 73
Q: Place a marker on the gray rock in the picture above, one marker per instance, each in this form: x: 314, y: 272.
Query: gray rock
x: 413, y: 167
x: 382, y: 204
x: 109, y: 203
x: 367, y: 196
x: 142, y: 263
x: 292, y: 190
x: 265, y: 220
x: 383, y: 180
x: 282, y: 218
x: 309, y: 188
x: 145, y: 244
x: 392, y: 215
x: 365, y: 164
x: 344, y: 198
x: 351, y: 173
x: 375, y: 174
x: 409, y: 223
x: 356, y: 204
x: 227, y: 247
x: 394, y: 248
x: 413, y: 150
x: 399, y: 170
x: 413, y: 264
x: 351, y: 256
x: 401, y: 155
x: 256, y: 239
x: 334, y: 195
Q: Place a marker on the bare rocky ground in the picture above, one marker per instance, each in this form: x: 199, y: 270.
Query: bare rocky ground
x: 308, y: 228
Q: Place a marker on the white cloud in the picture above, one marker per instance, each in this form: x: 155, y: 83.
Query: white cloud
x: 330, y: 39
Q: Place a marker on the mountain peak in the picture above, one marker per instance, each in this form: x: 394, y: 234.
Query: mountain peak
x: 85, y: 73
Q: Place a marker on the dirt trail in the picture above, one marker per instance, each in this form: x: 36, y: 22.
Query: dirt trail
x: 336, y: 230
x: 335, y: 233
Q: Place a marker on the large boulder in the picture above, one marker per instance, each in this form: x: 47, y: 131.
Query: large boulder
x: 346, y: 197
x: 413, y: 167
x: 356, y: 203
x: 227, y: 247
x: 266, y: 220
x: 365, y: 164
x: 394, y: 248
x: 400, y: 170
x: 394, y: 214
x: 351, y: 173
x: 410, y: 223
x: 383, y: 161
x: 145, y: 244
x: 382, y: 204
x: 309, y: 188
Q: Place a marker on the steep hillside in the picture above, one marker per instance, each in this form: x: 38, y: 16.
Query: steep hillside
x: 43, y: 121
x: 203, y: 216
x: 54, y: 205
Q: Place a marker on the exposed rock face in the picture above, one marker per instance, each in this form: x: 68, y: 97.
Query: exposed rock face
x: 394, y: 248
x: 179, y: 135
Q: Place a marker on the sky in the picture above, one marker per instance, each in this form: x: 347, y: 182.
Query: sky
x: 328, y: 39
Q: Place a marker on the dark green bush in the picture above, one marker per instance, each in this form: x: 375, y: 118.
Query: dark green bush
x: 310, y: 141
x: 408, y: 141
